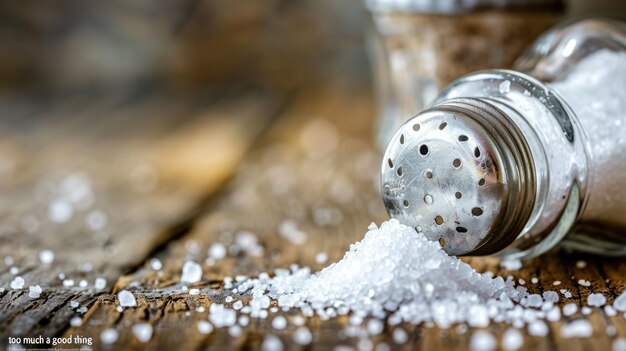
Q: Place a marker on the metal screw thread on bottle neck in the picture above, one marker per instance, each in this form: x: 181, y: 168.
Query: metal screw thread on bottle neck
x: 473, y: 168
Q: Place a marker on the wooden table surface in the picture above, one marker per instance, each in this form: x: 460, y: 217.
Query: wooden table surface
x: 174, y: 173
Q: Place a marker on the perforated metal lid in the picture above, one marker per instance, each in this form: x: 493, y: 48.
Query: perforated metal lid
x: 460, y: 173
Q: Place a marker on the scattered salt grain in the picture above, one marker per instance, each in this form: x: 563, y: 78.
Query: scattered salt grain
x: 585, y: 310
x: 126, y: 299
x: 234, y: 331
x: 108, y: 336
x: 511, y: 265
x: 289, y: 230
x: 76, y: 322
x: 619, y: 344
x: 217, y: 251
x: 237, y: 305
x: 222, y: 316
x: 610, y: 311
x: 68, y: 283
x: 551, y: 296
x: 14, y: 270
x: 60, y: 211
x: 82, y: 309
x: 620, y: 302
x: 83, y: 283
x: 192, y: 272
x: 155, y: 264
x: 279, y: 323
x: 96, y: 220
x: 205, y: 327
x: 482, y: 341
x: 74, y: 304
x: 534, y: 280
x: 46, y: 257
x: 321, y: 258
x: 34, y: 292
x: 512, y: 340
x: 581, y: 264
x: 302, y: 336
x: 584, y: 282
x: 100, y: 283
x: 399, y: 336
x: 142, y: 331
x: 580, y: 328
x: 375, y: 327
x: 194, y: 291
x: 243, y: 321
x: 596, y: 300
x: 271, y: 343
x: 17, y: 283
x: 538, y: 328
x: 505, y: 87
x: 556, y: 282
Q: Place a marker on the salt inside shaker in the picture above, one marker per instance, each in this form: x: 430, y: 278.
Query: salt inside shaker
x: 507, y: 162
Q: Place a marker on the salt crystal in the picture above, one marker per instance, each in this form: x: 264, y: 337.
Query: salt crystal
x: 234, y: 331
x: 34, y: 291
x: 271, y: 343
x: 200, y: 309
x: 194, y: 291
x: 221, y: 316
x: 82, y: 310
x: 556, y: 282
x: 551, y: 296
x: 620, y: 302
x: 581, y: 264
x: 610, y: 311
x: 243, y: 321
x: 302, y: 336
x: 534, y: 280
x: 14, y: 270
x: 512, y: 340
x: 511, y: 265
x: 46, y: 257
x: 60, y: 211
x: 17, y: 283
x: 204, y: 327
x: 100, y: 283
x: 126, y: 299
x: 375, y: 326
x: 83, y: 283
x: 279, y: 323
x: 298, y: 321
x: 619, y: 344
x: 155, y: 264
x: 142, y: 331
x: 192, y: 272
x: 596, y: 300
x: 68, y: 282
x: 96, y: 220
x: 580, y: 328
x: 217, y: 251
x: 321, y: 258
x: 538, y: 328
x: 289, y: 230
x: 585, y: 310
x: 584, y: 282
x: 505, y: 87
x: 237, y: 305
x: 76, y: 322
x: 108, y: 336
x: 74, y: 304
x: 228, y: 299
x: 8, y: 260
x: 399, y: 336
x: 482, y: 341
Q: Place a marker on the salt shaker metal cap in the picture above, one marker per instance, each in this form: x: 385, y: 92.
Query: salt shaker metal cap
x: 504, y: 163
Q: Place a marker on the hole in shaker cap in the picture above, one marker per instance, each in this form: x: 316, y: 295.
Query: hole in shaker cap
x: 461, y: 229
x: 477, y: 211
x: 477, y: 152
x: 402, y: 139
x: 405, y: 203
x: 416, y: 127
x: 439, y: 220
x: 399, y: 171
x: 390, y: 162
x: 442, y: 125
x: 429, y: 174
x: 458, y: 195
x: 463, y: 137
x: 424, y: 150
x: 442, y: 242
x: 456, y: 163
x: 481, y: 182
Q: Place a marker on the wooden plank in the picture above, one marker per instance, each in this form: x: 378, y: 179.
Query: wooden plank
x: 147, y: 185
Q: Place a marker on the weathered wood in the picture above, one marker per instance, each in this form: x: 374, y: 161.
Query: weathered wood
x: 182, y: 147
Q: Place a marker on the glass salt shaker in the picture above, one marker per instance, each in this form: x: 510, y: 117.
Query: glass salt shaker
x: 511, y: 163
x: 420, y: 46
